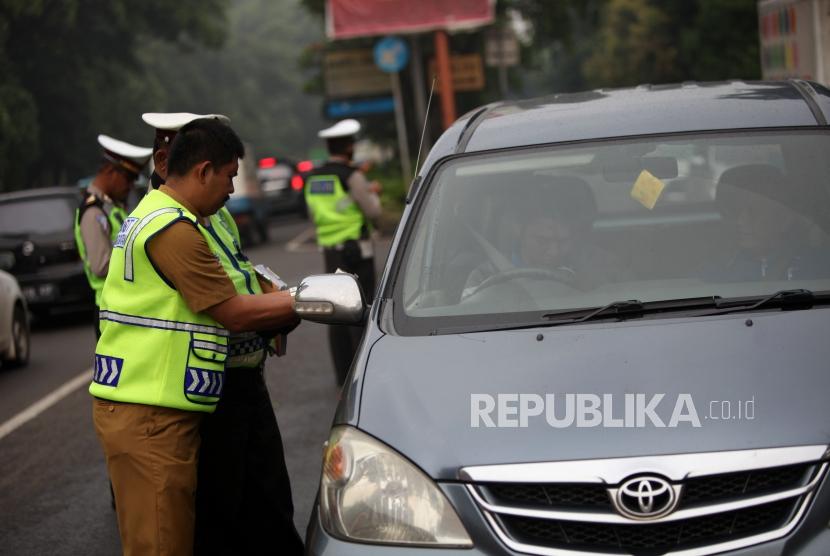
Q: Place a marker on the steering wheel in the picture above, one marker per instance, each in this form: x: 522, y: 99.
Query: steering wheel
x: 563, y: 275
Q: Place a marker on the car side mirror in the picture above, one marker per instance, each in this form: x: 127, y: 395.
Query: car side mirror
x: 330, y: 299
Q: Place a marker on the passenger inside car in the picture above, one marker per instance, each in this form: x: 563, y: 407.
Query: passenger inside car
x: 771, y: 240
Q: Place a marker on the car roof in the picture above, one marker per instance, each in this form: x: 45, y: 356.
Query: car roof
x: 39, y: 193
x: 642, y: 110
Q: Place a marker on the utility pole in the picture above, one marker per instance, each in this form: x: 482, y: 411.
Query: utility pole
x: 442, y: 60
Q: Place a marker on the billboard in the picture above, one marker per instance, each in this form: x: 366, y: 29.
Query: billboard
x: 353, y: 72
x: 346, y: 19
x: 467, y: 72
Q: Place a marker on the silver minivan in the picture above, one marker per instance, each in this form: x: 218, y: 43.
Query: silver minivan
x: 602, y: 329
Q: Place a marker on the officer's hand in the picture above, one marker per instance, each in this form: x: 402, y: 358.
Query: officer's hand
x: 272, y: 333
x: 375, y: 187
x: 290, y: 326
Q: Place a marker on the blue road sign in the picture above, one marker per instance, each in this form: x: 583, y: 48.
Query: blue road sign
x: 391, y: 54
x: 350, y: 108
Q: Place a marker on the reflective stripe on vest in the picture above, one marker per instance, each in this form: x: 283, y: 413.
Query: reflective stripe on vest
x: 167, y: 325
x: 163, y: 353
x: 132, y: 231
x: 336, y: 216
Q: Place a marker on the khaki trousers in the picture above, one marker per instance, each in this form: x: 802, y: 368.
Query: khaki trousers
x: 152, y: 455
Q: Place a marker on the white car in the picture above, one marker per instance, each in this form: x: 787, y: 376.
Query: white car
x: 14, y: 323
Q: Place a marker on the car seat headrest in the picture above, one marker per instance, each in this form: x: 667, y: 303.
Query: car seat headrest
x: 761, y: 179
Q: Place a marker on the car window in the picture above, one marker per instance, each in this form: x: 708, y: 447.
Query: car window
x: 569, y: 227
x: 44, y: 215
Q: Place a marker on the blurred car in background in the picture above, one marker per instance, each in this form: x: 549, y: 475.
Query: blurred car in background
x: 247, y: 204
x: 14, y: 320
x: 38, y: 247
x: 282, y: 184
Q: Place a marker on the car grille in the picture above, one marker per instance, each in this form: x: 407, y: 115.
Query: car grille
x: 713, y: 488
x: 739, y: 507
x: 549, y: 495
x: 761, y: 481
x: 654, y: 538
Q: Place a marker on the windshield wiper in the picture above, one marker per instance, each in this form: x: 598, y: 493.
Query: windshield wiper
x: 619, y: 309
x: 785, y: 299
x: 631, y: 308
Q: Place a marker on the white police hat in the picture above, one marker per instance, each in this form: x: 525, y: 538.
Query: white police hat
x: 130, y: 157
x: 168, y: 123
x: 343, y: 128
x: 174, y: 121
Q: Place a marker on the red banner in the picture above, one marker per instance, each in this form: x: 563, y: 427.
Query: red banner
x: 347, y: 19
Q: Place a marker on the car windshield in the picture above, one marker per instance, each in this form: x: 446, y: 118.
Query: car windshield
x: 43, y: 215
x: 659, y: 218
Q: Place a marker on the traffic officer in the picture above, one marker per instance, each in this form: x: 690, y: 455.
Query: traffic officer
x: 172, y: 299
x: 102, y: 211
x: 166, y: 125
x: 243, y: 498
x: 343, y: 205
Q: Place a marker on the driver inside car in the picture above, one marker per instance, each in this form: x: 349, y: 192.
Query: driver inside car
x: 544, y: 243
x: 556, y: 239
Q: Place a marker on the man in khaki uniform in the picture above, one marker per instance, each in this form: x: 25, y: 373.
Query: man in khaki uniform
x: 152, y: 447
x: 102, y: 211
x: 243, y: 501
x: 350, y: 253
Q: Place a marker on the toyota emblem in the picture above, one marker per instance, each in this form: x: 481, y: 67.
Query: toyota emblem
x: 28, y: 248
x: 646, y: 497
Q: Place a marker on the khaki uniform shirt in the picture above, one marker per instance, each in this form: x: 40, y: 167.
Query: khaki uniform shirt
x: 96, y: 233
x: 182, y: 255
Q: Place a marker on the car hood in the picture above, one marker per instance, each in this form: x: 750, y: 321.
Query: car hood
x: 418, y: 392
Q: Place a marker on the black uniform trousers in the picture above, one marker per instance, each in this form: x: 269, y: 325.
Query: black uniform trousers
x: 243, y: 493
x: 344, y: 339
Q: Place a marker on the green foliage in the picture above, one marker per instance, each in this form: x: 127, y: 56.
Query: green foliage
x: 393, y: 196
x: 67, y: 66
x: 316, y: 7
x: 634, y: 46
x: 723, y: 42
x: 256, y: 79
x: 613, y: 43
x: 18, y: 131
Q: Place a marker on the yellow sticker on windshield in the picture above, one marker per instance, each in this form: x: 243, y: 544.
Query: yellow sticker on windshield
x: 647, y: 189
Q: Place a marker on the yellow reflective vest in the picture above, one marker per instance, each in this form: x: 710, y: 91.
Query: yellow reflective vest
x: 153, y: 349
x: 336, y: 216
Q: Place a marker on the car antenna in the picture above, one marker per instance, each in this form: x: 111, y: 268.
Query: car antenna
x: 424, y: 128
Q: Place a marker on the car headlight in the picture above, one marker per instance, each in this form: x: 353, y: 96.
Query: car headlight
x: 370, y: 493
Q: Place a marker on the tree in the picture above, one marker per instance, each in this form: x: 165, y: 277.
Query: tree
x: 256, y: 78
x: 643, y: 41
x: 723, y: 41
x: 67, y: 64
x: 634, y: 45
